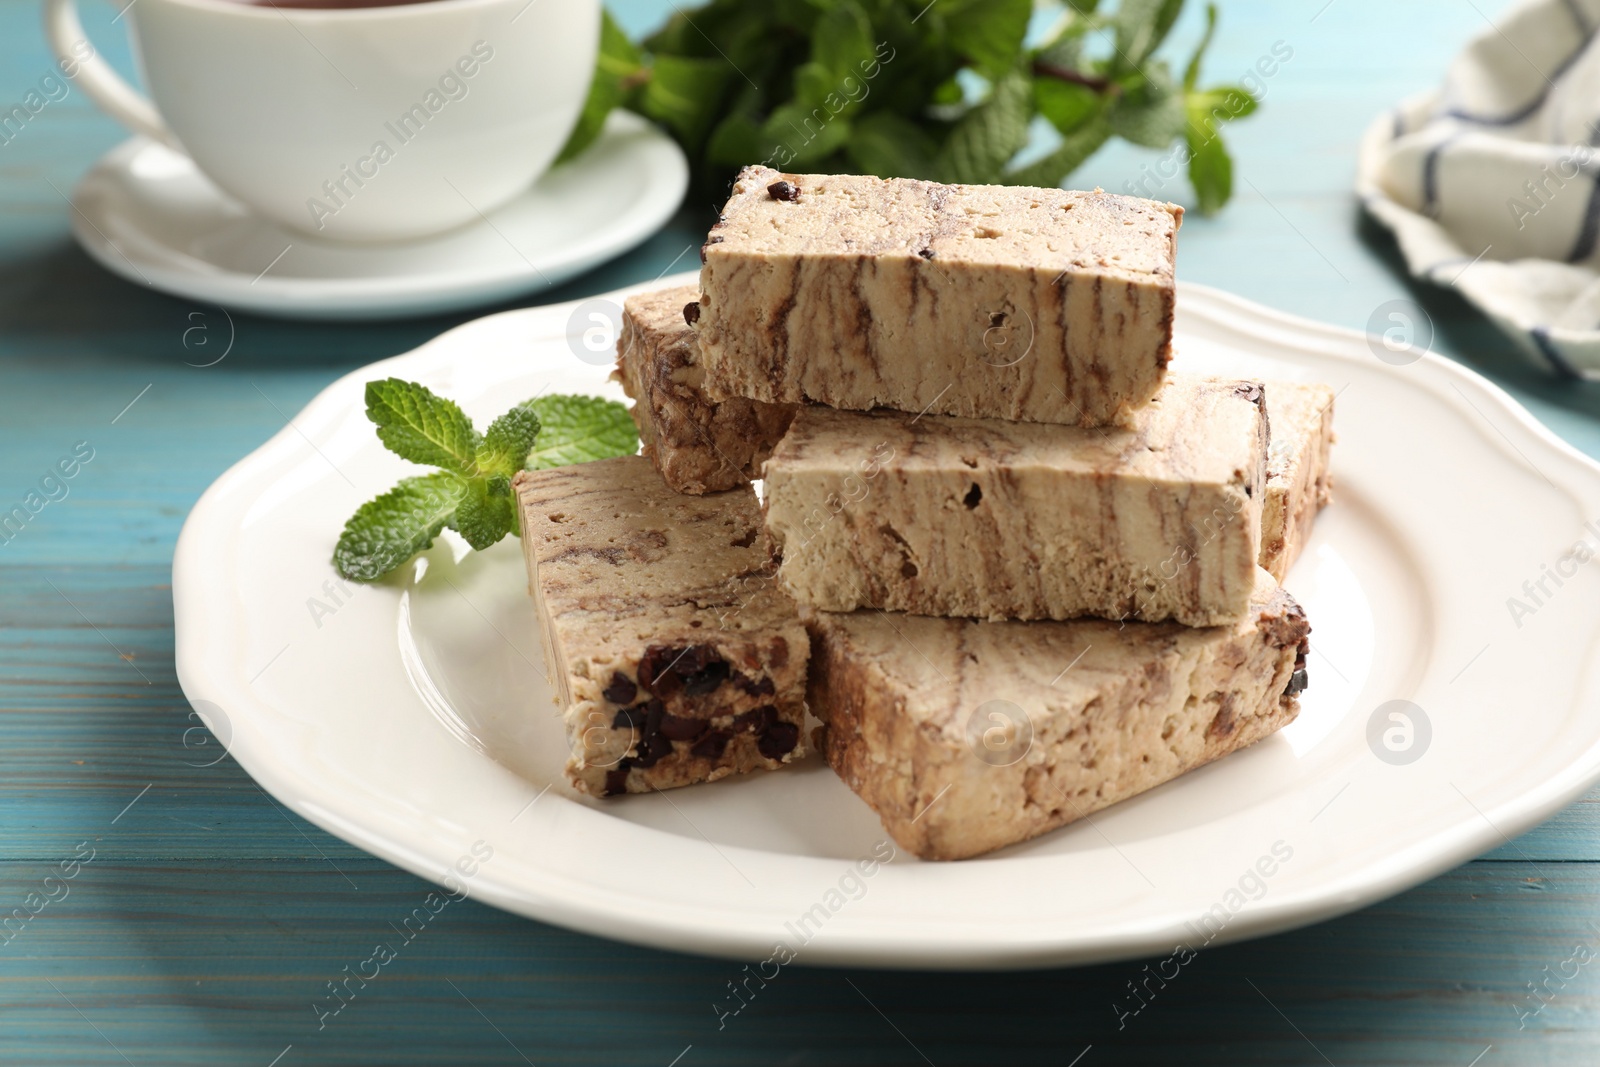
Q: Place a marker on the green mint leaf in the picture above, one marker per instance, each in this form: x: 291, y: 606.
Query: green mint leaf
x: 486, y: 512
x: 619, y: 62
x: 805, y: 136
x: 738, y: 29
x: 841, y: 51
x: 416, y: 424
x: 684, y: 93
x: 737, y: 140
x: 1076, y: 147
x: 1150, y: 125
x: 581, y: 428
x: 509, y: 440
x: 889, y: 146
x: 1065, y: 50
x: 813, y: 84
x: 1192, y: 75
x: 1141, y: 25
x: 1222, y: 104
x: 947, y: 93
x: 1210, y: 170
x: 1153, y: 113
x: 676, y: 37
x: 986, y: 138
x: 988, y: 32
x: 1066, y: 104
x: 387, y: 531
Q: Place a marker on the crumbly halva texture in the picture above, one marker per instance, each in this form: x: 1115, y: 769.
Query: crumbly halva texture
x: 699, y: 445
x: 983, y: 518
x: 673, y: 653
x: 1298, y: 482
x: 1043, y: 305
x: 967, y: 736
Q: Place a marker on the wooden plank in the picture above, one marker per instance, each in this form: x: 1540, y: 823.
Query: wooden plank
x: 183, y: 964
x: 85, y: 732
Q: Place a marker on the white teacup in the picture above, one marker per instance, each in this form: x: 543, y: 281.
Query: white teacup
x: 353, y: 123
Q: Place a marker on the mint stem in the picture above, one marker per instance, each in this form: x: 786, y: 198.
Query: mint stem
x: 1088, y: 81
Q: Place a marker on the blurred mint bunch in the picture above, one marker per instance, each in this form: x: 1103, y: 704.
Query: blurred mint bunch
x: 947, y: 90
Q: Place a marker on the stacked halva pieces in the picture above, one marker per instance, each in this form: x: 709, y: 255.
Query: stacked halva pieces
x: 1017, y: 570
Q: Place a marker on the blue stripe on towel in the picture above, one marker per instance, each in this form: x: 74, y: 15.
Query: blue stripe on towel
x: 1431, y: 271
x: 1547, y: 348
x: 1522, y: 113
x: 1583, y: 247
x: 1430, y: 176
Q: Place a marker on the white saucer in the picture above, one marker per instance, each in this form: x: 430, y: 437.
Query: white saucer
x: 147, y: 214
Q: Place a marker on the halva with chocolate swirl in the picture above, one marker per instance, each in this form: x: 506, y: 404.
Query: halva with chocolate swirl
x: 698, y: 444
x: 983, y: 518
x: 1298, y: 481
x: 967, y: 736
x: 1042, y: 305
x: 672, y: 652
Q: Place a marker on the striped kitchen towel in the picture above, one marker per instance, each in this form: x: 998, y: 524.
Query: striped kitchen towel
x: 1491, y: 183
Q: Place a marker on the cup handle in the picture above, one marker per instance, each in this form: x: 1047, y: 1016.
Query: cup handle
x: 99, y: 81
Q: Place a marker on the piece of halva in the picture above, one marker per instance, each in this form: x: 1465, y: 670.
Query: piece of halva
x: 1043, y: 305
x: 699, y: 445
x: 966, y: 736
x: 938, y: 515
x: 673, y: 655
x: 1298, y: 482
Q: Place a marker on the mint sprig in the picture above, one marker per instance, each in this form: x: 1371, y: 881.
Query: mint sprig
x: 904, y: 88
x: 471, y: 492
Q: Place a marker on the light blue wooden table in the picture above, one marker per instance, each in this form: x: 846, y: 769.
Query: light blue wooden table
x: 209, y: 920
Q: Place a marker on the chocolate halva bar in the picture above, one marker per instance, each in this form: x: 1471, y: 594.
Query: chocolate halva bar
x: 938, y: 515
x: 1298, y: 481
x: 699, y: 445
x: 966, y: 736
x: 1043, y: 305
x: 673, y: 655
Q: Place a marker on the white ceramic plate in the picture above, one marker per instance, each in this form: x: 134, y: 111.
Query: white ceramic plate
x: 146, y: 213
x: 412, y: 718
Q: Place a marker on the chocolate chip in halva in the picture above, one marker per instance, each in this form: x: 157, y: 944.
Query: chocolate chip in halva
x: 756, y: 721
x: 652, y: 744
x: 787, y: 191
x: 682, y: 727
x: 778, y: 740
x: 711, y: 745
x: 621, y: 690
x: 763, y: 687
x: 691, y: 312
x: 695, y: 670
x: 705, y: 680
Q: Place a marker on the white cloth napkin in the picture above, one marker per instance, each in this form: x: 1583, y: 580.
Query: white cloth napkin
x: 1491, y: 183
